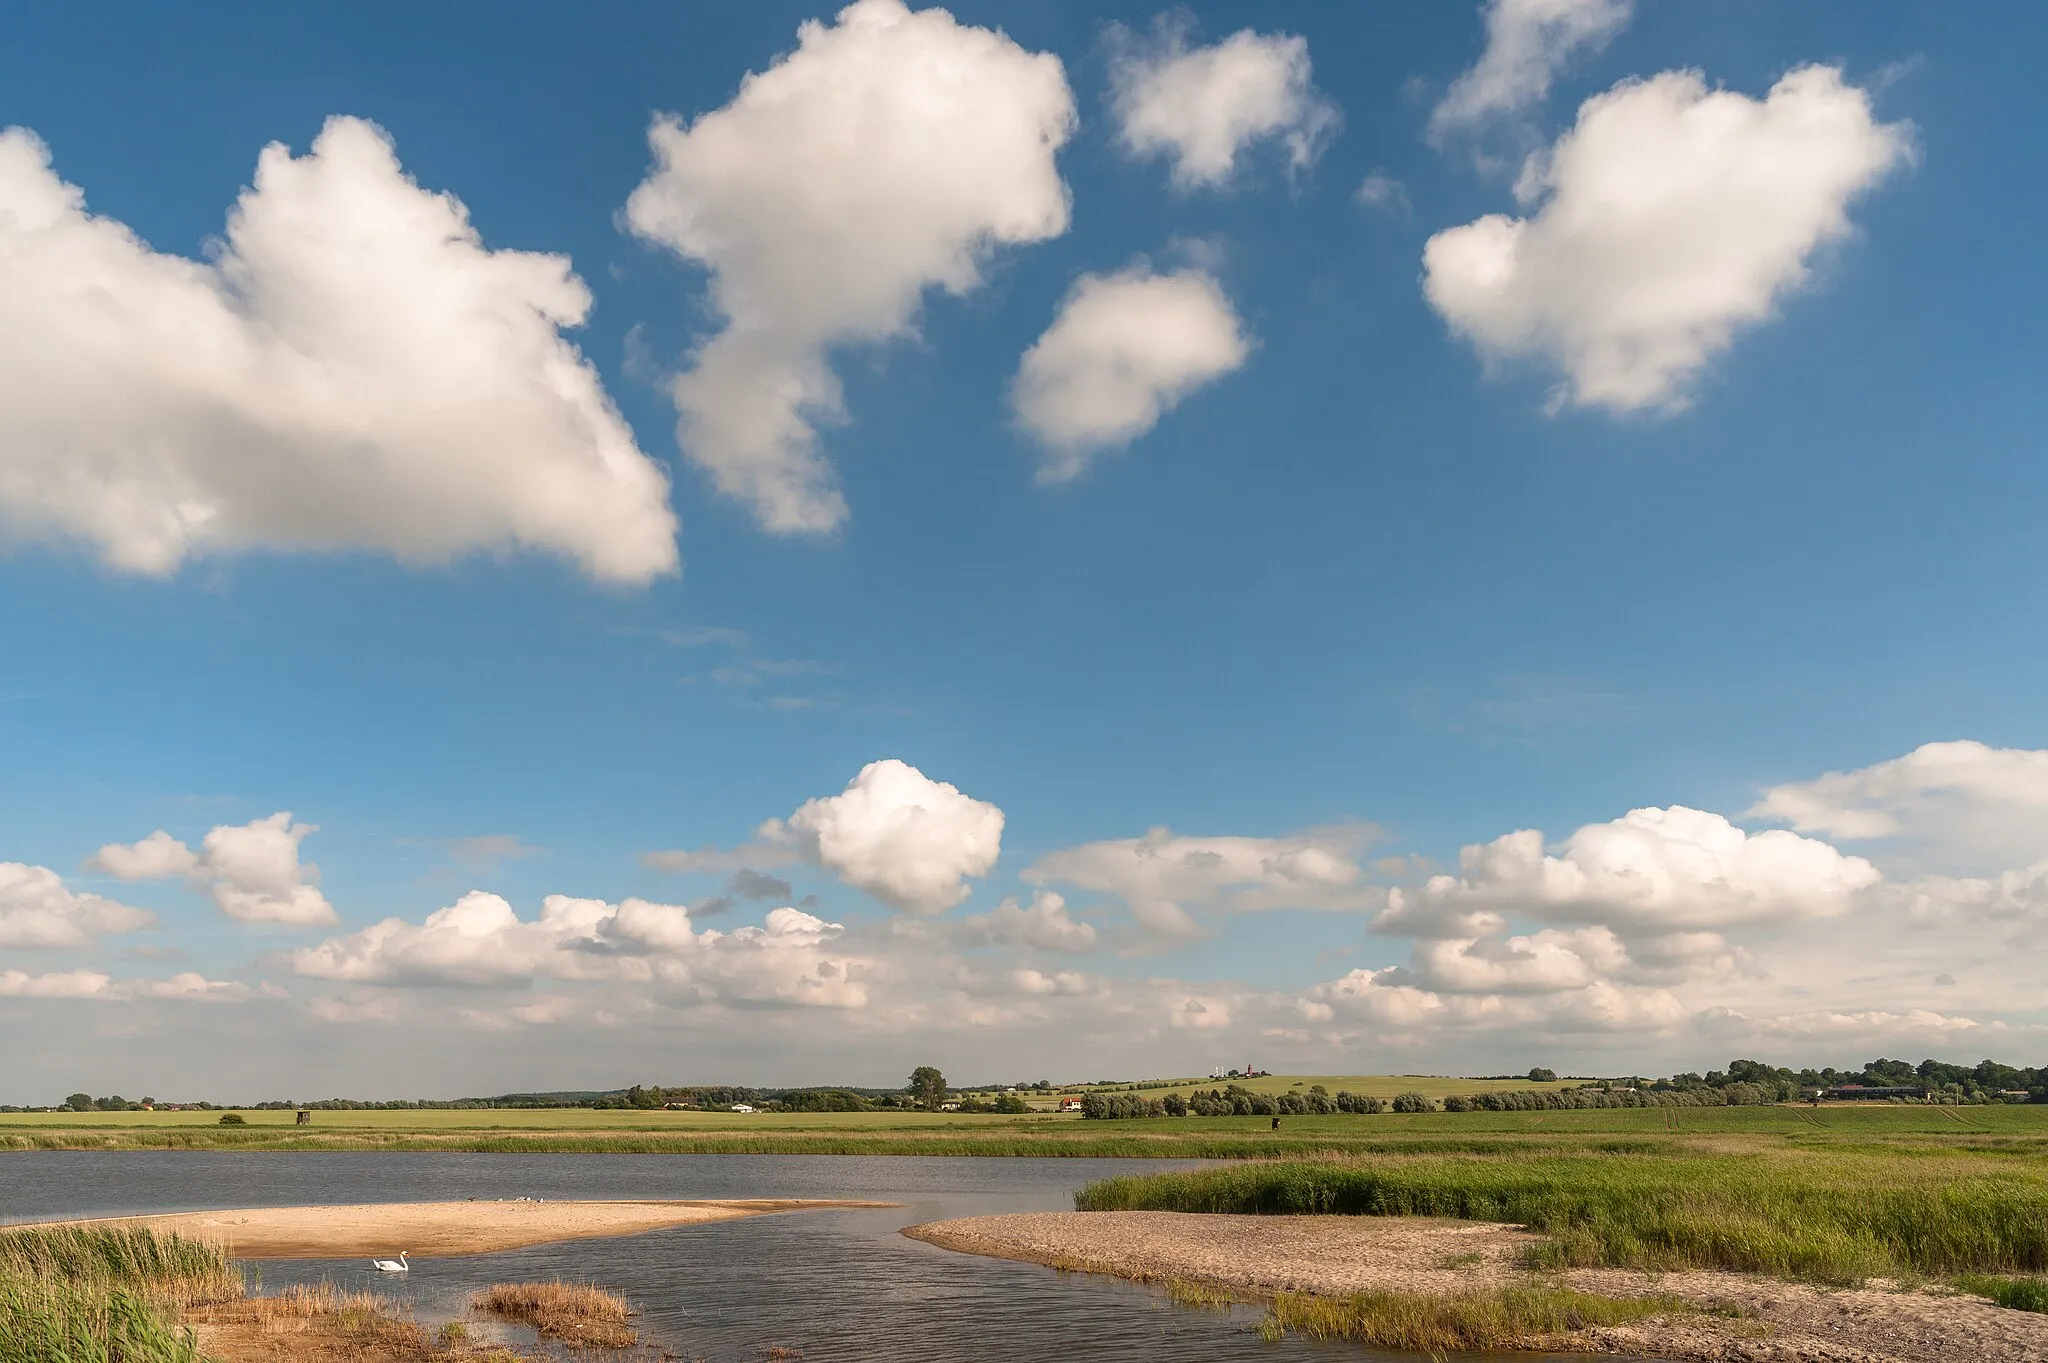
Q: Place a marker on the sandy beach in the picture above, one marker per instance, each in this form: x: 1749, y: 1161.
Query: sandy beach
x: 435, y: 1229
x: 1343, y: 1255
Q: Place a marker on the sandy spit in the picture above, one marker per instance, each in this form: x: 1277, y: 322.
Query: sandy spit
x: 436, y: 1229
x: 1342, y: 1255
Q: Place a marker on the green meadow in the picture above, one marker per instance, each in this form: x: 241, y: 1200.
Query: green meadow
x: 2021, y: 1131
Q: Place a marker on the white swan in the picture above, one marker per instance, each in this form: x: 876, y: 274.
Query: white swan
x: 398, y: 1265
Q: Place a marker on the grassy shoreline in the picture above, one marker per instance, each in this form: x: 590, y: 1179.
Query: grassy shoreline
x: 1838, y: 1215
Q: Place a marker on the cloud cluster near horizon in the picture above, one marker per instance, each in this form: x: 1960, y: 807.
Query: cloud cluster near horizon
x: 1662, y: 928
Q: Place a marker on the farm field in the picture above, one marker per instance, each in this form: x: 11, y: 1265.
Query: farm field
x: 2016, y: 1129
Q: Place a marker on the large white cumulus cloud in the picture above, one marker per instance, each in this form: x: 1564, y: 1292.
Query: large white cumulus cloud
x: 894, y: 833
x: 1650, y: 871
x: 252, y: 871
x: 38, y: 911
x: 889, y: 153
x: 353, y: 369
x: 1203, y: 106
x: 1125, y: 349
x: 1669, y: 218
x: 904, y: 838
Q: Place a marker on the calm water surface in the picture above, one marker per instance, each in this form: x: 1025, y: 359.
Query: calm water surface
x: 839, y: 1286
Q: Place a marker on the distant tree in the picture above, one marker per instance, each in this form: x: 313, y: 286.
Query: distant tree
x: 79, y: 1102
x: 1412, y: 1101
x: 927, y: 1087
x: 1539, y: 1075
x: 1011, y: 1104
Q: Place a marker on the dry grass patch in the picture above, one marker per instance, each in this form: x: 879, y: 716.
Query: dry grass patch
x: 325, y: 1324
x: 578, y: 1314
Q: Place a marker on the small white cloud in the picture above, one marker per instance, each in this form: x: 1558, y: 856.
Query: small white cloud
x: 479, y: 941
x: 57, y: 984
x: 37, y: 911
x: 1203, y: 106
x: 1380, y: 998
x: 1044, y: 926
x: 1971, y: 799
x: 252, y: 871
x: 352, y: 369
x: 486, y: 850
x: 890, y: 153
x: 1167, y: 880
x: 1671, y: 217
x: 1382, y: 193
x: 1124, y: 350
x: 1527, y: 43
x: 1868, y: 1026
x: 1200, y: 1014
x: 187, y: 987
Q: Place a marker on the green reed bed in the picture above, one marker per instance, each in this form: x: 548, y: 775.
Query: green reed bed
x: 1826, y: 1216
x: 86, y: 1295
x: 1511, y: 1318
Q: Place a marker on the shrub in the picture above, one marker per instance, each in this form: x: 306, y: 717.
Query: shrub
x: 1412, y: 1101
x: 2017, y: 1294
x: 233, y: 1119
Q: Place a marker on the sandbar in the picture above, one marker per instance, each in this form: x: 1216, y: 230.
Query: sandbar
x: 437, y: 1229
x: 1344, y: 1255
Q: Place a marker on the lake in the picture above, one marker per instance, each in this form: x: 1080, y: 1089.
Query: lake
x: 839, y: 1286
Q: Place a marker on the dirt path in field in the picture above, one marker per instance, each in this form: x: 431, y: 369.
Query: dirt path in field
x: 1343, y: 1255
x: 436, y: 1229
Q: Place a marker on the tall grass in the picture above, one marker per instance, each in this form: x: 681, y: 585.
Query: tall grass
x: 1512, y: 1318
x: 163, y: 1267
x: 77, y: 1294
x: 55, y: 1322
x: 1836, y: 1217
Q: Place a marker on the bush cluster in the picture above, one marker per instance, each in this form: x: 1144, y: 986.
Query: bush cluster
x: 1566, y: 1100
x: 1234, y: 1100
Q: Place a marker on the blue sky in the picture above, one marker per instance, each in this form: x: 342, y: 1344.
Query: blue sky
x: 1363, y: 590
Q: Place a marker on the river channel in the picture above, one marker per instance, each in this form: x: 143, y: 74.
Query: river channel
x: 840, y: 1286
